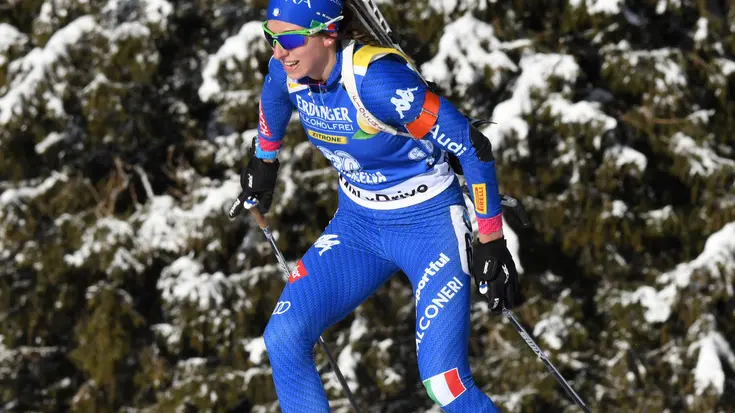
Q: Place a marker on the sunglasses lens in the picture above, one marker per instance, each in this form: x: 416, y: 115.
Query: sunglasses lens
x: 269, y: 38
x: 291, y: 41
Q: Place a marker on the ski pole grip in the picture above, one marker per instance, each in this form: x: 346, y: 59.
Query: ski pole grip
x: 259, y: 218
x: 517, y: 209
x: 250, y: 203
x: 237, y: 206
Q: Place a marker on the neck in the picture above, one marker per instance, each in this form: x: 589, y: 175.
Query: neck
x: 321, y: 74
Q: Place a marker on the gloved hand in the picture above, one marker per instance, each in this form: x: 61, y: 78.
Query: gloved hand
x: 495, y: 275
x: 258, y: 180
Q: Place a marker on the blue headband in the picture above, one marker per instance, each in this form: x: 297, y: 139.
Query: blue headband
x: 304, y: 13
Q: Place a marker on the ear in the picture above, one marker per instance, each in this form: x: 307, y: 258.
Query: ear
x: 330, y: 39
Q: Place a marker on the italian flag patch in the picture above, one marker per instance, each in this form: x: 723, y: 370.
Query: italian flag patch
x: 444, y: 387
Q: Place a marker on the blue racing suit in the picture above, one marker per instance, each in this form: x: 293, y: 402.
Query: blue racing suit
x: 400, y: 208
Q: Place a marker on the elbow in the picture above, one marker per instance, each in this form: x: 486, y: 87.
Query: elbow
x: 481, y: 144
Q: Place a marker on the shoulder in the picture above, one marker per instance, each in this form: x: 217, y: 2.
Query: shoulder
x: 384, y: 69
x: 276, y: 76
x: 374, y: 60
x: 392, y: 91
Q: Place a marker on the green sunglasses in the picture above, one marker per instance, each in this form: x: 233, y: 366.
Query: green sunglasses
x: 296, y: 38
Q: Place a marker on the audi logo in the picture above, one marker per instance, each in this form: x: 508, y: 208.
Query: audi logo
x: 281, y: 307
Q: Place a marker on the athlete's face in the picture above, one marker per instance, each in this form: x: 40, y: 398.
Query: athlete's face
x: 314, y: 59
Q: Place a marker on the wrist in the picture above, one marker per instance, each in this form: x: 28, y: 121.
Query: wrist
x: 485, y: 238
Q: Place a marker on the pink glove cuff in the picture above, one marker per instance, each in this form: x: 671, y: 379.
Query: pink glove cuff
x: 490, y: 225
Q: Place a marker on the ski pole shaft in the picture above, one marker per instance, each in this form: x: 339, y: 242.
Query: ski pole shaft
x: 540, y: 354
x: 263, y: 224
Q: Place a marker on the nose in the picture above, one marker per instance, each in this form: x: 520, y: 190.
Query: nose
x: 279, y: 52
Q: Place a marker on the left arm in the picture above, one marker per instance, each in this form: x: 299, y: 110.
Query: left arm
x: 410, y: 105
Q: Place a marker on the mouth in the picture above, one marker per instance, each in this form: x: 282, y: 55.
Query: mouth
x: 291, y: 65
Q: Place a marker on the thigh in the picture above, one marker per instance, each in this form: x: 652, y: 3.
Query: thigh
x: 439, y: 270
x: 336, y: 274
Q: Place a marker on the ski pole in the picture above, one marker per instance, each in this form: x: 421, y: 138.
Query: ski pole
x: 540, y: 354
x: 235, y: 210
x: 516, y: 208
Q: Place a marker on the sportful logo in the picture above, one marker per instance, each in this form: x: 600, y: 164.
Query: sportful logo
x: 467, y: 238
x: 404, y: 100
x: 431, y: 270
x: 298, y: 272
x: 281, y: 307
x: 326, y: 242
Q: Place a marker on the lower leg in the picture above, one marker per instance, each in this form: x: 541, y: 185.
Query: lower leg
x: 298, y: 385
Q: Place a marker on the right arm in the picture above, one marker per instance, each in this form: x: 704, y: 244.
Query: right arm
x: 258, y: 179
x: 274, y: 112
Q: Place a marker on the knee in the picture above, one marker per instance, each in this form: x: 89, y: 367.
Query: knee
x: 286, y: 337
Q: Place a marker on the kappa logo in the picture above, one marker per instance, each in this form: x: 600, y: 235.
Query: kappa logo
x: 326, y: 242
x: 298, y: 272
x: 404, y: 100
x: 281, y: 307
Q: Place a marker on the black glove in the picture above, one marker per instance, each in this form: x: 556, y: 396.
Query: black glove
x: 258, y: 180
x: 495, y: 275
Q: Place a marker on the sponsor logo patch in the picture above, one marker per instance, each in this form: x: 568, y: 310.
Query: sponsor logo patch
x: 480, y: 192
x: 341, y: 160
x: 443, y: 297
x: 264, y: 129
x: 326, y: 242
x: 381, y: 197
x: 341, y: 140
x: 404, y: 100
x: 431, y: 270
x: 324, y: 118
x: 297, y: 2
x: 281, y: 307
x: 298, y: 272
x: 443, y: 140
